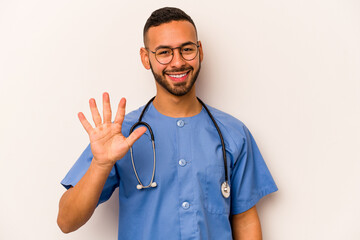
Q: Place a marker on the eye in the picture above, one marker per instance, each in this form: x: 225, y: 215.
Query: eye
x: 188, y: 49
x: 162, y: 52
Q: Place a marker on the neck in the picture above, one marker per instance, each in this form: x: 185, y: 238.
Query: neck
x: 177, y: 106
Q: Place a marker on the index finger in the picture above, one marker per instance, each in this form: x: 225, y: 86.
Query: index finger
x: 120, y: 114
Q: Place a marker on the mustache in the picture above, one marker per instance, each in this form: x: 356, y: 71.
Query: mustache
x: 174, y: 70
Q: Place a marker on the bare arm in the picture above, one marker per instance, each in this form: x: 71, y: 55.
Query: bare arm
x: 78, y: 203
x: 107, y: 145
x: 246, y: 225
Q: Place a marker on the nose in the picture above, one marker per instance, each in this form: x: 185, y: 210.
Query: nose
x: 177, y: 60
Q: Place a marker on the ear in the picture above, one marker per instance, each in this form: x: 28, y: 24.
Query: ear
x: 144, y: 54
x: 201, y: 53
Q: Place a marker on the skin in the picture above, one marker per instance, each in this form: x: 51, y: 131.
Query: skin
x: 173, y: 34
x: 108, y: 144
x: 246, y: 225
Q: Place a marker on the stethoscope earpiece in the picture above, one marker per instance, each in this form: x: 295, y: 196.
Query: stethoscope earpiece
x: 151, y: 185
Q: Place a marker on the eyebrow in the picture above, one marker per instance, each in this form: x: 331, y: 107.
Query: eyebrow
x: 166, y: 46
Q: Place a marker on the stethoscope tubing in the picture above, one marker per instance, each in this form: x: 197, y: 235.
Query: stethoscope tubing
x: 225, y: 188
x: 221, y: 139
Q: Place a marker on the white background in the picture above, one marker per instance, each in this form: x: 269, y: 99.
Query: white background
x: 290, y: 70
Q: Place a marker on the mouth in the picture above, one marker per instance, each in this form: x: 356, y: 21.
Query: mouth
x: 178, y: 77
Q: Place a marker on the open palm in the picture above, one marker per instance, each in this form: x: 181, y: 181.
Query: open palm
x: 108, y: 145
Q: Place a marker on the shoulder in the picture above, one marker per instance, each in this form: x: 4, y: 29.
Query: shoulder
x: 230, y: 126
x: 225, y: 118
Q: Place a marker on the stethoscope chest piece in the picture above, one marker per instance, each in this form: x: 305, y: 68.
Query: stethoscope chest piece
x: 225, y: 189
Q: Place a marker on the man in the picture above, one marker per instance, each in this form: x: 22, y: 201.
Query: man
x: 184, y: 198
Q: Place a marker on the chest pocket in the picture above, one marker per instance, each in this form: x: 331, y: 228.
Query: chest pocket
x: 215, y: 202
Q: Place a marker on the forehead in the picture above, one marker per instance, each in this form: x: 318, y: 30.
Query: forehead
x: 171, y: 34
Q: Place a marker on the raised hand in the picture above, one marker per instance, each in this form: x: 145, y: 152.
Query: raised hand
x: 108, y: 145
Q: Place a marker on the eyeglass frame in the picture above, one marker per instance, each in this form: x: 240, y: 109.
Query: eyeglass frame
x: 172, y: 49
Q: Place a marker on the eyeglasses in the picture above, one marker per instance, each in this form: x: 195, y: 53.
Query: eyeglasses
x: 164, y: 55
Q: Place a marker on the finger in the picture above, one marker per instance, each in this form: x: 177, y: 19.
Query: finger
x: 94, y: 112
x: 84, y: 122
x: 106, y: 108
x: 135, y: 135
x: 120, y: 114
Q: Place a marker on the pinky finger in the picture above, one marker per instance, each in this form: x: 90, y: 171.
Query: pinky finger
x: 84, y: 122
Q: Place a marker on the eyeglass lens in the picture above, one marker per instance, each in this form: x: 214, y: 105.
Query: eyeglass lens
x: 165, y: 55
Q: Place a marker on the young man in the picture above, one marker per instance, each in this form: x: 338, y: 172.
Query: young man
x: 185, y: 193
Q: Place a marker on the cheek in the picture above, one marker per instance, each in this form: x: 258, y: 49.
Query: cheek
x: 195, y: 63
x: 160, y: 69
x: 157, y: 67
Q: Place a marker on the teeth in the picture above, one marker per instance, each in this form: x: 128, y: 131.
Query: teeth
x: 178, y: 76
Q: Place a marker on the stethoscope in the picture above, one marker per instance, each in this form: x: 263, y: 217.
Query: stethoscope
x: 225, y: 188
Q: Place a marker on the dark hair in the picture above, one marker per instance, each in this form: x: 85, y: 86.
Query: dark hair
x: 166, y: 15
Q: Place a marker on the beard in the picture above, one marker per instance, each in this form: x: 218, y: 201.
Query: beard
x: 178, y: 89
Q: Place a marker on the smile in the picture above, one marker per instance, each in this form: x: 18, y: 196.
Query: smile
x: 178, y: 77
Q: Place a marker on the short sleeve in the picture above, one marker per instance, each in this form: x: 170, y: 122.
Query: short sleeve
x: 251, y: 179
x: 79, y: 169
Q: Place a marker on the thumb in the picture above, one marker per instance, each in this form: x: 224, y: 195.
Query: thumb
x: 135, y: 135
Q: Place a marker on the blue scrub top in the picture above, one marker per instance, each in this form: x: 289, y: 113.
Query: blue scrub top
x: 187, y: 203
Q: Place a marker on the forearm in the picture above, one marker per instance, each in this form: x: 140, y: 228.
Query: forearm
x: 246, y: 226
x: 78, y: 203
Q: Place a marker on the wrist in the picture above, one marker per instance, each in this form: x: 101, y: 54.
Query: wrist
x: 101, y: 167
